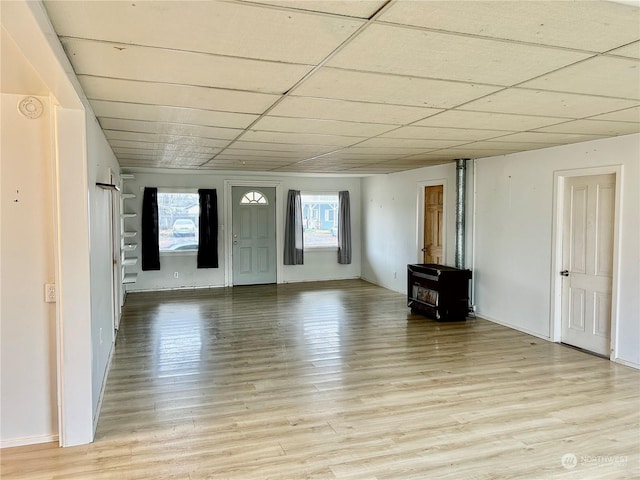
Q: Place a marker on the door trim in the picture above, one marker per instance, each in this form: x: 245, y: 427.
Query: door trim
x: 228, y: 218
x: 559, y: 182
x: 420, y: 220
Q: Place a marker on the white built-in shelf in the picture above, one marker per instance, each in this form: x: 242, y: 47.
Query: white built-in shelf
x: 128, y: 261
x: 129, y: 234
x: 129, y: 215
x: 130, y: 278
x: 129, y: 247
x: 126, y: 196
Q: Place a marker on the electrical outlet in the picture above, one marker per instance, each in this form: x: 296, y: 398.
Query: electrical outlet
x: 50, y: 292
x: 175, y: 274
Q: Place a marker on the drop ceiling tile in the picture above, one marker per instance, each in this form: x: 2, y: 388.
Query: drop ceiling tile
x: 407, y: 143
x: 506, y: 146
x: 393, y: 151
x: 538, y: 102
x: 331, y: 109
x: 351, y: 8
x: 282, y: 147
x: 160, y: 113
x: 408, y: 51
x: 595, y: 26
x: 172, y: 66
x: 626, y: 115
x: 169, y: 128
x: 470, y: 152
x: 607, y: 76
x: 299, y: 138
x: 326, y: 127
x: 547, y: 138
x: 390, y: 89
x: 437, y: 133
x: 256, y: 159
x: 207, y: 98
x: 263, y: 153
x: 632, y: 50
x: 160, y: 145
x: 218, y: 27
x: 594, y: 127
x: 115, y: 135
x: 493, y: 121
x: 160, y: 152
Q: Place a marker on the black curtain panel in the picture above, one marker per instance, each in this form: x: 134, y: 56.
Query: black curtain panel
x: 344, y: 228
x: 208, y: 231
x: 150, y: 231
x: 293, y: 240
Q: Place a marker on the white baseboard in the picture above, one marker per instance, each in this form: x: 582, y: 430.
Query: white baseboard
x: 479, y: 314
x: 627, y: 363
x: 22, y: 441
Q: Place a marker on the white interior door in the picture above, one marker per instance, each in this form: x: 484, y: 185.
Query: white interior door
x: 587, y: 262
x: 254, y: 235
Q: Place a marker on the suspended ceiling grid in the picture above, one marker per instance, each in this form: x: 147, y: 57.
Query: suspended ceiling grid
x: 360, y: 87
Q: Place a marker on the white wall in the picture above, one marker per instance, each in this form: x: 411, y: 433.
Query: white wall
x: 390, y: 220
x: 317, y: 266
x: 514, y: 235
x: 101, y: 161
x: 27, y: 323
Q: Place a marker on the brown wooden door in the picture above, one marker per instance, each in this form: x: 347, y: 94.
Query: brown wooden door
x: 433, y: 201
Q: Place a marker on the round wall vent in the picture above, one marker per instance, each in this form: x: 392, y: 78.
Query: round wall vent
x: 30, y: 107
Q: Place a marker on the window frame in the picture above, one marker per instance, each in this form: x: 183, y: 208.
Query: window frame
x: 179, y: 190
x: 320, y: 248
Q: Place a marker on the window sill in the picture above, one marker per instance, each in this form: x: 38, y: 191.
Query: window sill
x: 320, y: 249
x: 180, y: 253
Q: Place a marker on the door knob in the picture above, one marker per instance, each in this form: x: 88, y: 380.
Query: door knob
x: 564, y: 273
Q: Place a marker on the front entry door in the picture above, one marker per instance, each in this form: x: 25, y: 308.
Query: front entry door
x: 433, y: 202
x: 254, y: 235
x: 587, y: 262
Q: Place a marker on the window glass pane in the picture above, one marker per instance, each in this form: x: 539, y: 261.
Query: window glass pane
x: 320, y: 220
x: 178, y: 215
x: 253, y: 198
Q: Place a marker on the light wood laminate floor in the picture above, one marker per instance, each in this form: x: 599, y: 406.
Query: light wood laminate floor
x: 338, y: 380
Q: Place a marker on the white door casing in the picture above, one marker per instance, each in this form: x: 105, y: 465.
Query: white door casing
x: 587, y: 262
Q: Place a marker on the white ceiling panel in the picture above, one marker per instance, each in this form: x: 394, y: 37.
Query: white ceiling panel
x: 158, y: 145
x: 555, y: 104
x: 390, y: 49
x: 219, y: 27
x: 626, y: 115
x: 607, y: 76
x: 89, y: 57
x: 390, y: 89
x: 407, y: 143
x: 497, y: 121
x: 186, y: 140
x: 584, y: 25
x: 160, y: 113
x: 437, y: 133
x: 350, y: 8
x: 632, y: 50
x: 331, y: 109
x: 299, y: 138
x: 169, y: 128
x: 283, y: 147
x: 548, y: 138
x: 188, y: 96
x: 326, y: 127
x: 594, y: 127
x: 313, y: 86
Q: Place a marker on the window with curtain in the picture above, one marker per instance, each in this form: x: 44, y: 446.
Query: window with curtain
x: 293, y: 239
x: 320, y: 220
x: 178, y: 221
